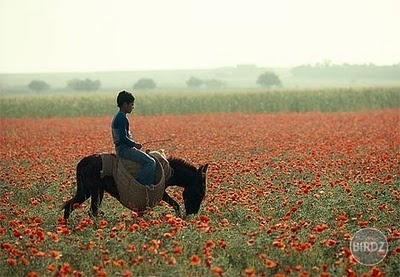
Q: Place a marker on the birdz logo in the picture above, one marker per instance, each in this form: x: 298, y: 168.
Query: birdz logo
x: 369, y: 246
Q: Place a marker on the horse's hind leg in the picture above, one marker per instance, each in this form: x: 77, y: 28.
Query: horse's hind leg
x: 97, y: 197
x: 88, y: 184
x: 82, y: 193
x: 68, y: 206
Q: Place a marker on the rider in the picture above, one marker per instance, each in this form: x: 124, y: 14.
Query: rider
x: 125, y: 146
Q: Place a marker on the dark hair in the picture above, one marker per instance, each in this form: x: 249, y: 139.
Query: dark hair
x: 125, y: 96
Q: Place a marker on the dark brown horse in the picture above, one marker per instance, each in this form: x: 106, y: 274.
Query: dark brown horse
x: 90, y: 184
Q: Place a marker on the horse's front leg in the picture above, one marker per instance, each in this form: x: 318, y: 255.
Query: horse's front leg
x: 173, y: 203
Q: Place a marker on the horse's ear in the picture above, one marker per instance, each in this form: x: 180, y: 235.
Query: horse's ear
x: 204, y: 169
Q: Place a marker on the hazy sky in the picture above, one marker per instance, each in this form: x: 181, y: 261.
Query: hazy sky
x: 97, y: 35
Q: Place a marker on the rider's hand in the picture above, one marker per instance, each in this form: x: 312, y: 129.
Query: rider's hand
x: 138, y: 145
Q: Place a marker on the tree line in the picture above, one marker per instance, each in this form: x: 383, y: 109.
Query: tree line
x: 74, y: 84
x: 267, y: 79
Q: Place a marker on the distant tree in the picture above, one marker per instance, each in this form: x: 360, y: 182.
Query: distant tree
x: 214, y: 83
x: 194, y: 82
x: 269, y: 79
x: 38, y: 86
x: 83, y: 85
x: 145, y: 83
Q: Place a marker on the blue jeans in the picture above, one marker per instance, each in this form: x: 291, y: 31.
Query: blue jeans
x: 147, y: 174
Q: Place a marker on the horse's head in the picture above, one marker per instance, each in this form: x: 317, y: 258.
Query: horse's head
x: 192, y: 179
x: 194, y: 193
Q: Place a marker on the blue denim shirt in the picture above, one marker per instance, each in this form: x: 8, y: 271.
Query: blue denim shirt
x: 120, y: 131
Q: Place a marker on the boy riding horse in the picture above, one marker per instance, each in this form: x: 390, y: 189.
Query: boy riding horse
x: 125, y: 146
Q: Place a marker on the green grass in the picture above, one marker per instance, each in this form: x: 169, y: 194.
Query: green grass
x: 158, y: 103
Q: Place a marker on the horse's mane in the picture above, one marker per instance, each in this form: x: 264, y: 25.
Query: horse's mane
x: 174, y: 161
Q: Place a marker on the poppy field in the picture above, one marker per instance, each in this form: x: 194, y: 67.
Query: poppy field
x: 285, y: 194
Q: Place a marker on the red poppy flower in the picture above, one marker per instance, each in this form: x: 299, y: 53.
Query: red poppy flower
x: 195, y: 260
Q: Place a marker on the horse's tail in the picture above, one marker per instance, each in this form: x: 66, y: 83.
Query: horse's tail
x: 82, y: 192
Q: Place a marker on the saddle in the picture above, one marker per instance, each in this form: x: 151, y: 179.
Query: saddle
x: 134, y: 195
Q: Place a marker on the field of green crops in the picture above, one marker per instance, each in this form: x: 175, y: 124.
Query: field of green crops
x: 93, y: 104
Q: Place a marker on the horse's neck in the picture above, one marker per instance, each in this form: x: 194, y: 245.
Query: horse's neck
x: 184, y: 173
x: 182, y: 177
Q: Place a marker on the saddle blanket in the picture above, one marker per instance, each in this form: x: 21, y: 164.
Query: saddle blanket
x: 134, y: 195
